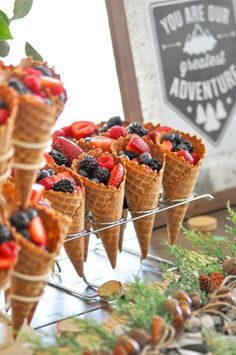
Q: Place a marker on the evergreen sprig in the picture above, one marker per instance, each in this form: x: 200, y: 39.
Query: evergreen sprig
x: 221, y: 344
x: 231, y: 229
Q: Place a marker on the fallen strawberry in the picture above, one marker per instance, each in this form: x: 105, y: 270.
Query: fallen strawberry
x: 106, y: 161
x: 101, y: 142
x: 186, y: 155
x: 37, y: 231
x: 82, y: 129
x: 137, y: 145
x: 116, y: 132
x: 117, y: 175
x: 70, y: 149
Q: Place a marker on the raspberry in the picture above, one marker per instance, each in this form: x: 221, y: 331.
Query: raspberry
x: 102, y: 174
x: 156, y: 165
x: 59, y: 158
x: 88, y: 164
x: 64, y: 185
x: 116, y: 132
x: 136, y: 127
x: 106, y: 161
x: 5, y: 234
x: 20, y: 220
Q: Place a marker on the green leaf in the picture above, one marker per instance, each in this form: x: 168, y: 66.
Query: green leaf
x: 4, y: 48
x: 4, y: 16
x: 21, y: 8
x: 30, y: 51
x: 4, y: 29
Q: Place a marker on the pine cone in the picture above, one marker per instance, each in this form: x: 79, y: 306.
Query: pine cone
x: 216, y: 280
x: 205, y: 282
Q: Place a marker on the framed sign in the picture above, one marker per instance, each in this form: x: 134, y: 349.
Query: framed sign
x: 195, y: 44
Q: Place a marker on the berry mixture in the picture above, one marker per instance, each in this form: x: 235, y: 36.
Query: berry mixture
x: 113, y: 121
x: 8, y: 248
x: 63, y: 182
x: 77, y: 130
x: 138, y: 151
x: 4, y: 112
x: 175, y: 142
x: 102, y: 170
x: 40, y: 81
x: 30, y: 225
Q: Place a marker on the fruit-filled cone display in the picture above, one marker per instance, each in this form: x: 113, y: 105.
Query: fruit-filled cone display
x: 104, y: 181
x: 8, y: 255
x: 64, y: 190
x: 8, y: 111
x: 39, y: 234
x: 36, y: 116
x: 144, y: 163
x: 184, y: 156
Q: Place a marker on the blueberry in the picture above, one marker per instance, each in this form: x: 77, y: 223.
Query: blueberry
x: 145, y: 158
x: 31, y: 213
x: 18, y: 85
x: 2, y: 104
x: 44, y: 70
x: 51, y: 172
x: 87, y: 139
x: 20, y: 220
x: 5, y: 233
x: 42, y: 174
x: 155, y: 164
x: 104, y: 128
x: 95, y: 180
x: 130, y: 155
x: 121, y: 152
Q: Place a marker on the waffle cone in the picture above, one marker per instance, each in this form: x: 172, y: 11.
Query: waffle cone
x: 105, y: 204
x: 9, y: 96
x: 71, y: 204
x: 34, y: 122
x: 141, y: 191
x: 5, y: 276
x: 178, y: 183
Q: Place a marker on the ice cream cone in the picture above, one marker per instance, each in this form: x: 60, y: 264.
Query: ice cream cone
x: 73, y: 205
x: 178, y: 183
x: 5, y: 276
x: 10, y: 98
x: 32, y: 268
x: 105, y: 204
x: 141, y: 191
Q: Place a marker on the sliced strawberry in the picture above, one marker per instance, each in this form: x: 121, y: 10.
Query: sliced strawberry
x: 195, y: 157
x: 4, y: 114
x: 101, y: 142
x: 49, y: 159
x: 137, y: 145
x: 6, y: 263
x: 67, y: 131
x: 116, y: 132
x: 70, y: 149
x: 164, y: 129
x: 47, y: 183
x: 54, y: 85
x: 186, y: 155
x: 168, y: 145
x: 117, y: 175
x: 33, y: 83
x: 32, y: 71
x: 58, y: 133
x: 37, y: 192
x: 106, y: 161
x: 82, y: 129
x: 37, y: 231
x: 8, y: 250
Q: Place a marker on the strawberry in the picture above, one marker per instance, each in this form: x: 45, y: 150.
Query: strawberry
x: 106, y: 161
x: 58, y: 133
x: 54, y: 85
x: 82, y: 129
x: 6, y: 263
x: 37, y: 192
x: 49, y: 160
x: 67, y: 147
x: 116, y: 132
x: 47, y: 183
x: 67, y: 131
x: 117, y: 175
x: 137, y: 145
x: 101, y: 142
x: 186, y: 155
x: 164, y: 129
x: 64, y: 175
x: 37, y: 231
x: 195, y: 157
x: 168, y: 144
x: 8, y: 250
x: 4, y: 114
x: 79, y: 188
x: 33, y: 71
x: 33, y: 83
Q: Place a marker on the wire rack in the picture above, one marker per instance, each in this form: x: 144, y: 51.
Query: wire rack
x: 152, y: 262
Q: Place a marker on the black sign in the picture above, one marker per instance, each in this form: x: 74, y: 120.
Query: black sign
x: 197, y: 46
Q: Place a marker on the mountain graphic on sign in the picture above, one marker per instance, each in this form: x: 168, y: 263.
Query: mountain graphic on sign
x: 199, y: 42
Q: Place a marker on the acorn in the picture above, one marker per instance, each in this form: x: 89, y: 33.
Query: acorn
x: 119, y: 350
x: 196, y: 300
x: 181, y: 295
x: 130, y: 345
x: 229, y: 266
x: 140, y: 336
x: 172, y: 305
x: 178, y: 323
x: 185, y: 308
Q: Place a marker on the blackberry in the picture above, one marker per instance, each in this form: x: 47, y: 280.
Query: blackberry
x: 18, y: 85
x: 130, y: 155
x: 59, y: 157
x: 113, y: 121
x: 42, y: 174
x: 145, y: 158
x: 156, y: 164
x: 5, y: 234
x: 88, y: 164
x: 82, y: 173
x: 2, y: 104
x: 95, y: 180
x: 64, y: 185
x: 102, y: 174
x: 31, y: 213
x: 136, y: 127
x: 44, y: 70
x: 186, y: 145
x: 20, y: 220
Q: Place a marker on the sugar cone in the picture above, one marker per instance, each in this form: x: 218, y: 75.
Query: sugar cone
x: 105, y: 204
x: 33, y: 261
x: 141, y: 191
x: 10, y: 97
x: 178, y: 183
x: 71, y: 204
